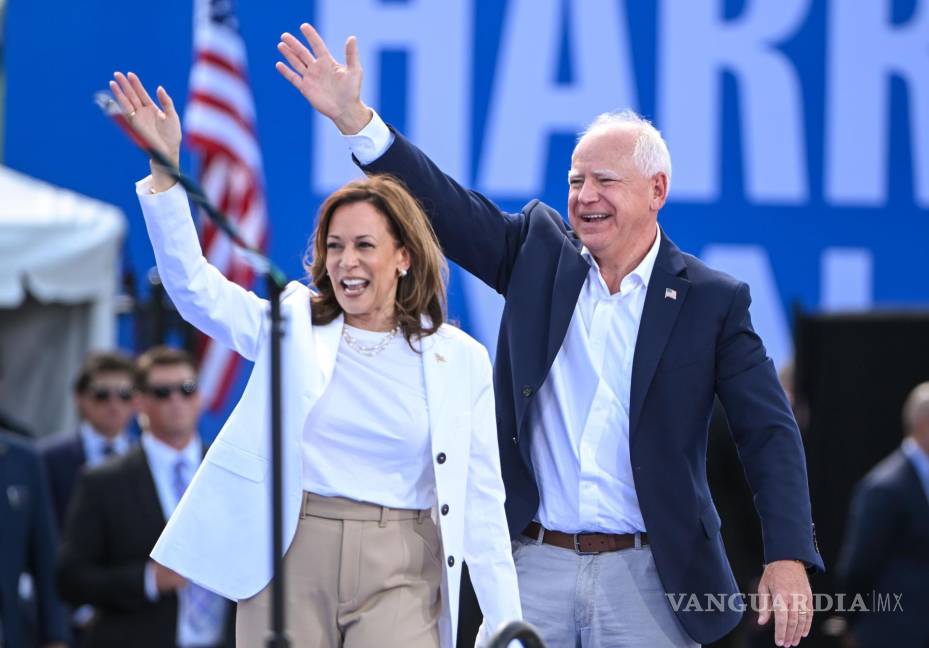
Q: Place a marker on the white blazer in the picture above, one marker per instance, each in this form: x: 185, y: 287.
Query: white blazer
x: 219, y: 536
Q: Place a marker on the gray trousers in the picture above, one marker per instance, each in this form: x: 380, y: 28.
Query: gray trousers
x: 608, y: 600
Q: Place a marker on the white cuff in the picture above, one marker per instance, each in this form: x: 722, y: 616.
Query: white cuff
x: 372, y: 141
x: 144, y: 188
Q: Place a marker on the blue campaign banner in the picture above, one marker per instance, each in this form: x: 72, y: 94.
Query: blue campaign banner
x: 798, y: 129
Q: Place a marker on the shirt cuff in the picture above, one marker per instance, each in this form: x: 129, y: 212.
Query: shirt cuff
x: 372, y: 141
x: 145, y: 187
x: 151, y: 588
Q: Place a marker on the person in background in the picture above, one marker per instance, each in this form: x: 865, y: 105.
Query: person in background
x: 27, y: 546
x: 119, y: 510
x: 886, y: 546
x: 104, y: 393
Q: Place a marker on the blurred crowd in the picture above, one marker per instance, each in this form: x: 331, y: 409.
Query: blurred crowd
x: 81, y: 511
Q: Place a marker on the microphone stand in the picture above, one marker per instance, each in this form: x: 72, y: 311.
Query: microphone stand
x: 275, y: 282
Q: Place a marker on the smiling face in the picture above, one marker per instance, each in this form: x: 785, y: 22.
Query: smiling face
x: 612, y: 206
x: 363, y: 261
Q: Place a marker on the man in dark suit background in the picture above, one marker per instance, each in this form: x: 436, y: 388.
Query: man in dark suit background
x: 118, y: 512
x: 104, y: 393
x: 612, y: 346
x: 27, y: 546
x: 886, y: 547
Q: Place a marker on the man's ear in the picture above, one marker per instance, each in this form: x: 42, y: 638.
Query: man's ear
x: 659, y: 188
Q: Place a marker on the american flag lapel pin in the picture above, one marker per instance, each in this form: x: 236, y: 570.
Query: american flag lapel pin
x: 670, y: 293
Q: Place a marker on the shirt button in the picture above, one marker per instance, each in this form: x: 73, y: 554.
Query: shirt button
x: 451, y: 561
x: 440, y: 458
x: 527, y: 391
x: 445, y: 509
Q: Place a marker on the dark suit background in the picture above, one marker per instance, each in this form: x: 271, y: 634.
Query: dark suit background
x: 27, y: 544
x: 64, y: 458
x: 887, y: 550
x: 111, y: 527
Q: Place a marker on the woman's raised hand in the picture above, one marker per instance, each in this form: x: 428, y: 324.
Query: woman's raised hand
x: 331, y: 88
x: 159, y: 126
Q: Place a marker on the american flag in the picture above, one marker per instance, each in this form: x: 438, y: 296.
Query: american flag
x: 220, y: 125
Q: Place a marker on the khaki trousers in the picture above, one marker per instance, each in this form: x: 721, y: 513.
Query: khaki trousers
x: 358, y: 575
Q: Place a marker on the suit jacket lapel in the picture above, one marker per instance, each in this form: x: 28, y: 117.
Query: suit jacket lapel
x: 569, y: 278
x: 150, y: 510
x: 437, y: 376
x: 658, y: 318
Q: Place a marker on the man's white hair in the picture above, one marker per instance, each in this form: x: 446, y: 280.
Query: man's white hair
x: 650, y: 154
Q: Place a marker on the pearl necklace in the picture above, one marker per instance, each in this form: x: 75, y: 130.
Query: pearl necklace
x: 369, y: 350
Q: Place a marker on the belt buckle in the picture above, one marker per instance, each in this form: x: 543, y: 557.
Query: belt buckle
x: 577, y: 546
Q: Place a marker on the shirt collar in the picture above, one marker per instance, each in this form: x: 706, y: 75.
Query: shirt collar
x: 94, y: 442
x: 162, y: 454
x: 643, y: 271
x: 917, y: 456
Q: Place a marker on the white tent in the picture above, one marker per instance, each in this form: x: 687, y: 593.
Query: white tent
x: 59, y: 260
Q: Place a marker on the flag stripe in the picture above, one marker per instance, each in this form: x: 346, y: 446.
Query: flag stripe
x: 220, y: 125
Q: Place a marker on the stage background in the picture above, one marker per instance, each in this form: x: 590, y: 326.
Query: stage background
x: 799, y: 129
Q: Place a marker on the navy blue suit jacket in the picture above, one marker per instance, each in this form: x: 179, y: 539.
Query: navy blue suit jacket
x: 887, y: 550
x: 689, y: 349
x: 27, y: 544
x: 64, y: 457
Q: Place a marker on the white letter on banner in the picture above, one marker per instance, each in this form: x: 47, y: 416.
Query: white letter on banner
x: 865, y: 50
x: 528, y: 105
x: 846, y: 279
x: 750, y: 263
x: 696, y: 47
x: 437, y: 37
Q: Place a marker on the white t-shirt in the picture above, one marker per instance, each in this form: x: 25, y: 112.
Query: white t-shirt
x: 367, y: 438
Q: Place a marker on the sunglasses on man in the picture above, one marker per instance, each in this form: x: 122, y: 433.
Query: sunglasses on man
x: 104, y: 394
x: 163, y: 392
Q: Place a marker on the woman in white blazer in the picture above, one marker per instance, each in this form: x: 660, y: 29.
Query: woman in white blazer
x: 388, y: 426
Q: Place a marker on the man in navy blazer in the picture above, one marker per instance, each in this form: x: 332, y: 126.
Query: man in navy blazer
x: 105, y: 397
x: 886, y: 546
x: 27, y: 546
x: 612, y: 346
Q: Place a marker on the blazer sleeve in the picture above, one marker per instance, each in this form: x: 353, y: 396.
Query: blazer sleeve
x: 473, y: 232
x: 767, y: 437
x: 487, y: 549
x: 84, y: 573
x: 218, y: 307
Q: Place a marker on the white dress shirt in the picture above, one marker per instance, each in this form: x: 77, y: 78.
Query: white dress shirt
x: 94, y: 444
x: 580, y: 416
x: 162, y: 459
x: 367, y: 438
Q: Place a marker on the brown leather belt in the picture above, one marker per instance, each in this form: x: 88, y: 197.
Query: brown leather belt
x: 585, y: 543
